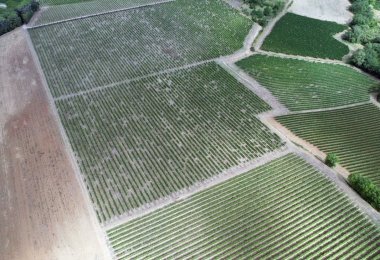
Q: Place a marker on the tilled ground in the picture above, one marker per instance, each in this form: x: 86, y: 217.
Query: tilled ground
x: 43, y: 211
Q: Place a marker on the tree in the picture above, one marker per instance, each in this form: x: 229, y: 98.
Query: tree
x: 268, y: 11
x: 331, y: 160
x: 358, y: 57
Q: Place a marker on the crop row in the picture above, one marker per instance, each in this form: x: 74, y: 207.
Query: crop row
x: 284, y: 209
x: 141, y: 141
x: 58, y: 10
x: 304, y: 36
x: 351, y: 133
x: 303, y: 85
x: 83, y: 54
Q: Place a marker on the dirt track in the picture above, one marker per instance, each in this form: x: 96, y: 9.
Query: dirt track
x: 43, y: 211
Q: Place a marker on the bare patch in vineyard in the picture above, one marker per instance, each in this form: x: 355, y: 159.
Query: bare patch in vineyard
x: 334, y: 11
x: 43, y: 212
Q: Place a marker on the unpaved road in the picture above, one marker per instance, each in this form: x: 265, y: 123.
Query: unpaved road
x: 43, y: 211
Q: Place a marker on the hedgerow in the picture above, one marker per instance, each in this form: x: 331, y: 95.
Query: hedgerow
x: 366, y: 189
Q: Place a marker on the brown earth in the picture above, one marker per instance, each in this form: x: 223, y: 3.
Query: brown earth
x: 44, y: 214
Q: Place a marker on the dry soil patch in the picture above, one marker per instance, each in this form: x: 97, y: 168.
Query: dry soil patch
x: 43, y: 212
x: 335, y: 11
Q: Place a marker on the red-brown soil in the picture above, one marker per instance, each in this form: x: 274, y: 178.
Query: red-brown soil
x: 43, y: 211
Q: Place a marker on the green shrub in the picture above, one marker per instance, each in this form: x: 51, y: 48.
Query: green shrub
x: 366, y: 189
x: 331, y: 160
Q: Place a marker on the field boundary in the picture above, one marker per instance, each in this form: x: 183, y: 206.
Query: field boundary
x: 83, y: 92
x: 102, y: 236
x: 96, y: 14
x: 216, y: 179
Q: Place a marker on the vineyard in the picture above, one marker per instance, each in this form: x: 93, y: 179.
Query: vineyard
x: 86, y: 53
x: 303, y: 85
x: 60, y: 2
x: 351, y: 133
x: 59, y: 10
x: 300, y: 35
x: 284, y: 209
x: 141, y: 141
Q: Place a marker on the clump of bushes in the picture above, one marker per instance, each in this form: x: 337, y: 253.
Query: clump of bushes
x: 365, y: 30
x: 331, y: 160
x: 16, y: 14
x: 263, y: 11
x: 366, y: 189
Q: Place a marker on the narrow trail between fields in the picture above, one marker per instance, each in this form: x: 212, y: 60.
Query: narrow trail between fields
x: 83, y: 92
x: 269, y: 27
x: 94, y: 14
x: 216, y: 179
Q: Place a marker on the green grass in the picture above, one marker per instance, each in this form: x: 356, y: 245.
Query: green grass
x: 141, y: 141
x: 351, y: 133
x: 62, y: 10
x: 284, y: 209
x: 300, y: 35
x: 86, y: 53
x: 303, y: 85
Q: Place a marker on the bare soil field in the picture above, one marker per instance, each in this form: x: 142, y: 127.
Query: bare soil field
x: 44, y: 214
x: 334, y: 11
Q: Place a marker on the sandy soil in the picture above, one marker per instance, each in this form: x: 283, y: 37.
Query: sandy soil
x: 44, y: 214
x: 328, y: 10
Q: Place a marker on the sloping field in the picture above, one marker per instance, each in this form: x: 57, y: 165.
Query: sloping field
x: 87, y: 53
x: 61, y: 10
x: 300, y: 35
x: 351, y: 133
x: 142, y: 141
x: 284, y: 209
x: 303, y: 85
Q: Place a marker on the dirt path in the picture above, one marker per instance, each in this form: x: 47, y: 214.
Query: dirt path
x: 225, y: 175
x: 270, y: 26
x: 43, y: 211
x: 91, y: 15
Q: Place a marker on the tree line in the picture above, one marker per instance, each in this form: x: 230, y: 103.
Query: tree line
x: 16, y: 14
x: 364, y: 29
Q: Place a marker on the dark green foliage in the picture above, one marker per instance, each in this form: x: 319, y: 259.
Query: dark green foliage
x: 258, y: 13
x: 263, y: 22
x: 16, y: 13
x: 263, y: 11
x: 331, y: 160
x: 368, y: 58
x: 299, y: 35
x: 268, y: 11
x: 366, y: 189
x: 9, y: 21
x: 365, y: 30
